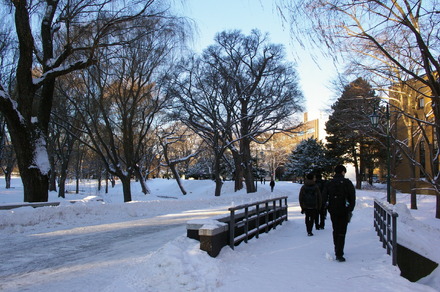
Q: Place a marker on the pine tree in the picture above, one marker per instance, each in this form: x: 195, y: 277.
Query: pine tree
x: 349, y: 129
x: 309, y: 156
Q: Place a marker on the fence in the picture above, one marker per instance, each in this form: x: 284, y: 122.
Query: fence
x: 257, y: 217
x: 244, y: 222
x: 34, y: 205
x: 385, y: 223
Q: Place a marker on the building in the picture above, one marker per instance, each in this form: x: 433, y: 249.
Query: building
x: 274, y: 153
x: 413, y: 138
x: 314, y: 128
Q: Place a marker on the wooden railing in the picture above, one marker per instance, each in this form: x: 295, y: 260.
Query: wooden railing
x: 385, y: 223
x: 38, y: 204
x: 244, y: 222
x: 33, y: 205
x: 257, y: 217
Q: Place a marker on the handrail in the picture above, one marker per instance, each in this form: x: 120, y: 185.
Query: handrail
x: 385, y: 223
x: 253, y: 222
x: 33, y: 205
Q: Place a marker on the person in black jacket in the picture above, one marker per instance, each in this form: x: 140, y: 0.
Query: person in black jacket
x: 322, y: 213
x: 341, y: 197
x: 310, y: 201
x: 272, y: 185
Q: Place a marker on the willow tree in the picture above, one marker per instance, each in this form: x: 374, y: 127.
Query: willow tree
x: 119, y: 99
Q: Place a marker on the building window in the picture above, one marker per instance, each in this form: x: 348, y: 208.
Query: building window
x: 421, y: 102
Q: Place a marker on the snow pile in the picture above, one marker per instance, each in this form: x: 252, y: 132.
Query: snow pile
x: 426, y: 235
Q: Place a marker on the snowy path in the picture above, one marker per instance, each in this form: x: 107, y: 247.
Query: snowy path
x: 50, y: 257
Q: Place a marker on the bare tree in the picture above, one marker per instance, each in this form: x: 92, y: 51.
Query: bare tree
x: 173, y: 142
x: 124, y: 97
x: 396, y: 42
x: 54, y: 38
x: 8, y: 158
x: 264, y: 90
x: 63, y: 135
x: 200, y: 98
x: 246, y: 88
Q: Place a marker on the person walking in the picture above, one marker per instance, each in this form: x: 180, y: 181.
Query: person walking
x: 341, y: 196
x: 322, y: 213
x: 272, y: 185
x: 310, y: 201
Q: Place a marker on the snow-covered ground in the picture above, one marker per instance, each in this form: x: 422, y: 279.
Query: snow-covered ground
x: 285, y: 259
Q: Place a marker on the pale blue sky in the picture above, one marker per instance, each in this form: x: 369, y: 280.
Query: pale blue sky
x: 212, y: 16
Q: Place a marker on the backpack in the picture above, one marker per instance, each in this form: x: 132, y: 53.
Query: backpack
x: 337, y: 195
x: 309, y: 197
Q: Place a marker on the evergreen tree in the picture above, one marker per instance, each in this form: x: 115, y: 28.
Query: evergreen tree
x: 349, y: 129
x: 309, y: 156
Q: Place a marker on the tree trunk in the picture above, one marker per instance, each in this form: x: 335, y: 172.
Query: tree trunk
x: 437, y: 210
x: 35, y: 185
x: 238, y: 175
x: 29, y: 142
x: 77, y: 185
x: 99, y: 182
x: 393, y: 198
x: 35, y: 178
x: 53, y: 181
x: 141, y: 179
x: 106, y: 181
x: 63, y: 177
x: 247, y: 167
x: 370, y: 176
x: 8, y: 179
x: 217, y: 178
x: 53, y: 175
x: 62, y: 186
x: 173, y: 168
x: 358, y: 179
x: 126, y: 187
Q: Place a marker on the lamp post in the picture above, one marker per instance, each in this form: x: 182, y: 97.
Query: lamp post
x: 374, y: 118
x: 257, y: 172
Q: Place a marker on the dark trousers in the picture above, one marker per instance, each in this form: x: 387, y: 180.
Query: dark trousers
x: 310, y: 219
x: 339, y: 222
x: 321, y: 215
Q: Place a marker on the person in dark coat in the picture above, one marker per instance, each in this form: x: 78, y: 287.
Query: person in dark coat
x: 322, y: 213
x: 272, y: 185
x: 341, y: 196
x: 310, y: 201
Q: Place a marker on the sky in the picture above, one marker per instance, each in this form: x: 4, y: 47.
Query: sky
x: 213, y: 16
x: 100, y: 243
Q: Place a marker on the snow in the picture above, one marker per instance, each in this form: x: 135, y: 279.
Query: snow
x: 41, y: 158
x: 37, y: 81
x: 285, y: 259
x: 5, y: 95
